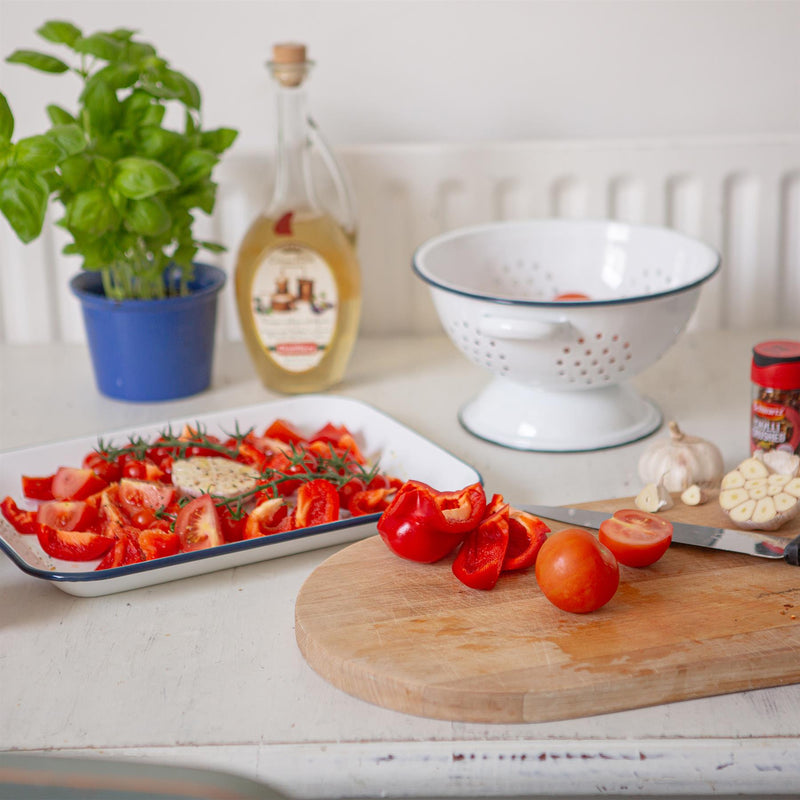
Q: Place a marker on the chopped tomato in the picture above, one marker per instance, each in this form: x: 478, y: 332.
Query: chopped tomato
x: 66, y: 515
x: 155, y: 543
x: 22, y: 521
x: 71, y: 483
x: 576, y: 572
x: 135, y: 495
x: 268, y: 517
x: 636, y: 538
x: 526, y: 535
x: 198, y: 525
x: 125, y: 550
x: 317, y: 503
x: 37, y: 488
x: 479, y: 562
x: 73, y: 545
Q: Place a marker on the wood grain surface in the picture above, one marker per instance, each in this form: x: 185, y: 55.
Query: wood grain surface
x: 412, y: 638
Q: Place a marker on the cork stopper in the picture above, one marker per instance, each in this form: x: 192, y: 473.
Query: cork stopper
x: 289, y: 64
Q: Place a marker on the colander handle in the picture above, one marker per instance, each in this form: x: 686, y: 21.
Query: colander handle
x: 515, y: 328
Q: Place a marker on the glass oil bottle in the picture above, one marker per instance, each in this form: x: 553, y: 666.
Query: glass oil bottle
x: 298, y: 282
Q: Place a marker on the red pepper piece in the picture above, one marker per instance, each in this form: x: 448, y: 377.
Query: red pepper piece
x: 22, y: 521
x: 317, y: 503
x: 463, y: 510
x: 38, y: 488
x: 73, y: 545
x: 414, y: 527
x: 369, y: 501
x: 526, y: 535
x: 480, y: 560
x: 269, y: 516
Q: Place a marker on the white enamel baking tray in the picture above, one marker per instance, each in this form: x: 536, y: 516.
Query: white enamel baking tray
x: 398, y: 450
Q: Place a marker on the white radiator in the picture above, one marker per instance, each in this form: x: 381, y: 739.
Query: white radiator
x: 740, y: 195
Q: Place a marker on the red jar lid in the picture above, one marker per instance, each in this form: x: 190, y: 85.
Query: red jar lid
x: 776, y: 364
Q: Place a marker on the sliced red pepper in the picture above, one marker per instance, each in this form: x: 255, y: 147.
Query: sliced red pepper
x: 37, y: 488
x: 73, y: 545
x: 463, y: 510
x: 22, y: 521
x: 285, y: 432
x: 526, y: 535
x: 413, y: 526
x: 268, y: 517
x: 370, y: 501
x: 317, y: 503
x: 480, y: 560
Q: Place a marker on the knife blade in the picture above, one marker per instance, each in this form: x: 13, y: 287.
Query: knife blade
x: 750, y: 543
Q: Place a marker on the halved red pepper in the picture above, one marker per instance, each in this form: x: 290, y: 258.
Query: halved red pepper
x: 424, y: 525
x: 526, y: 534
x: 480, y: 560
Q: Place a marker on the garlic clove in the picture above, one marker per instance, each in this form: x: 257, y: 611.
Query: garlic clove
x: 654, y: 497
x: 695, y: 495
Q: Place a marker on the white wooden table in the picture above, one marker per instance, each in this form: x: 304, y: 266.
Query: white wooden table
x: 205, y: 671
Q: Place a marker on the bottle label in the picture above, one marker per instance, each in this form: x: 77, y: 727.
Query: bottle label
x: 774, y: 426
x: 295, y: 306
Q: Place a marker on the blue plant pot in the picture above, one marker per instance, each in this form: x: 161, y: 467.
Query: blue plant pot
x: 151, y: 350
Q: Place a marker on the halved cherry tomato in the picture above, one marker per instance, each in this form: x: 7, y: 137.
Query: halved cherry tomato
x: 268, y: 517
x: 37, y: 488
x: 479, y: 562
x: 135, y: 495
x: 22, y: 521
x: 526, y: 535
x: 576, y: 572
x: 155, y: 543
x: 71, y: 483
x: 198, y: 525
x: 66, y: 515
x: 317, y: 503
x: 73, y: 545
x: 636, y: 538
x: 125, y: 550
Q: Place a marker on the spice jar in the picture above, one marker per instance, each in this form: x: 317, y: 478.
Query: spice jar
x: 775, y: 408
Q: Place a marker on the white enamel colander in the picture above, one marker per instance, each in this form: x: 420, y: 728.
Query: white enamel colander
x: 562, y: 367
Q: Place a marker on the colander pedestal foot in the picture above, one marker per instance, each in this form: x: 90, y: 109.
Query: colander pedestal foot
x: 544, y: 420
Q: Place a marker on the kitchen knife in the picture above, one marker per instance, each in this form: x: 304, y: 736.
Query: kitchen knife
x: 751, y: 543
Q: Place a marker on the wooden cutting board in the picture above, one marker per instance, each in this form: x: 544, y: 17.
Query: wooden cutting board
x: 411, y: 637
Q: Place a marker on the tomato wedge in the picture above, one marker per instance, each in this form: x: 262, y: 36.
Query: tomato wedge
x: 66, y: 515
x: 136, y: 494
x: 636, y: 538
x: 198, y: 525
x: 73, y: 545
x: 72, y: 483
x: 22, y: 521
x: 526, y: 535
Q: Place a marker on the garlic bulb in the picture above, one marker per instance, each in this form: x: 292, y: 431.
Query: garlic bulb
x: 681, y: 460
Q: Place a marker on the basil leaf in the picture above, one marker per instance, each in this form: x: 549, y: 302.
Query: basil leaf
x: 69, y: 138
x: 212, y: 247
x: 6, y: 119
x: 102, y: 106
x: 203, y: 196
x: 153, y: 142
x: 75, y: 170
x: 38, y: 153
x: 148, y: 216
x: 100, y: 45
x: 122, y: 34
x: 218, y: 140
x: 23, y: 201
x: 136, y: 178
x: 59, y: 32
x: 40, y: 61
x: 58, y: 116
x: 117, y: 76
x: 185, y: 90
x: 91, y: 212
x: 196, y: 165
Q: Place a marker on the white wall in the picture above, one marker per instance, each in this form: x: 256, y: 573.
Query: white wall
x: 446, y: 70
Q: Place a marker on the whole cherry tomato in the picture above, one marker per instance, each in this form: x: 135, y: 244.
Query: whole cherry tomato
x: 636, y: 538
x: 576, y: 572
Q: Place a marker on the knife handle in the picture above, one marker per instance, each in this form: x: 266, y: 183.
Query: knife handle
x: 792, y: 552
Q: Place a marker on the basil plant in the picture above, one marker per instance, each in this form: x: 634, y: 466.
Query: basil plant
x: 129, y: 185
